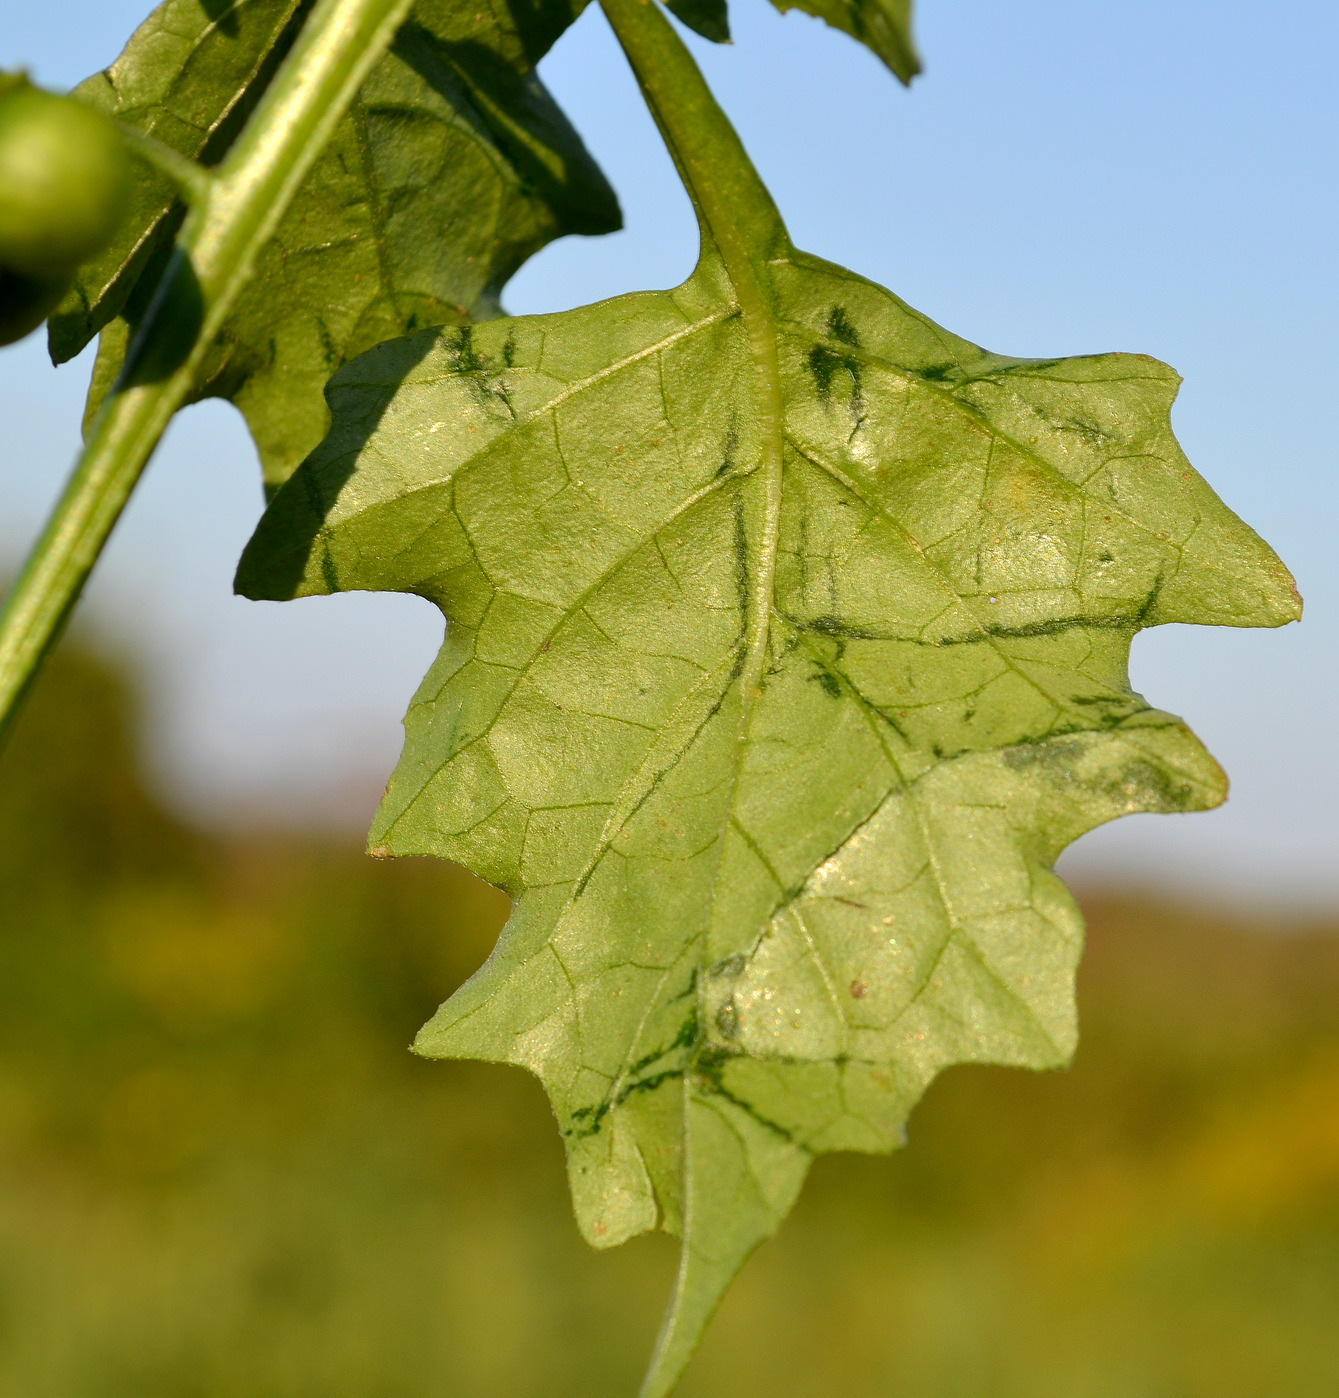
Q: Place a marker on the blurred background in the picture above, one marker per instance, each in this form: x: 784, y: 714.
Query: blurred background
x: 220, y: 1172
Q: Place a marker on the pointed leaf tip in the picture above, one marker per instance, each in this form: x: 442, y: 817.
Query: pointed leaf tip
x: 883, y: 26
x: 741, y: 1176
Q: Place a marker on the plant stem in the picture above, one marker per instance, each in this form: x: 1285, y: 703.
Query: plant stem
x: 731, y: 200
x: 215, y: 254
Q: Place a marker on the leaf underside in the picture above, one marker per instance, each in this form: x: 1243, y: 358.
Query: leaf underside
x: 751, y: 928
x: 787, y: 641
x: 452, y: 167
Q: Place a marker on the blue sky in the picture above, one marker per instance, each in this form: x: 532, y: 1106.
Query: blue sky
x: 1065, y: 178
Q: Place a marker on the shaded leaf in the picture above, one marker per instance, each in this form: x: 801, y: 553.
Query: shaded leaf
x: 787, y: 647
x: 881, y: 25
x: 710, y: 18
x: 189, y: 78
x: 452, y: 167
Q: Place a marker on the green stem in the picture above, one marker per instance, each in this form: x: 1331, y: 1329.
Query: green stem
x: 215, y: 254
x: 733, y: 205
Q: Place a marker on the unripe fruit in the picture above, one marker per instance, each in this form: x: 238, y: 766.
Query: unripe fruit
x: 25, y: 302
x: 64, y: 183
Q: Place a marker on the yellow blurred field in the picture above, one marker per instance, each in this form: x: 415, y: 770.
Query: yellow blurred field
x: 222, y: 1175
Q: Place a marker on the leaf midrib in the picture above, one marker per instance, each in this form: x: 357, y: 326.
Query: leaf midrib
x: 725, y: 191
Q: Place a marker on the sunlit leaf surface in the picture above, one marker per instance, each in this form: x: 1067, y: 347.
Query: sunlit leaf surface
x: 787, y: 647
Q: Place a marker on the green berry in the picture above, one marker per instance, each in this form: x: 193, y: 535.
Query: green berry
x: 64, y: 182
x: 25, y: 302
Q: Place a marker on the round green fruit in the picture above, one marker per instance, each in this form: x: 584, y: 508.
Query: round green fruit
x: 64, y: 183
x: 25, y: 302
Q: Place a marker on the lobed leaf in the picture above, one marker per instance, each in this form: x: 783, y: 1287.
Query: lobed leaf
x: 787, y: 641
x: 740, y: 943
x: 453, y: 166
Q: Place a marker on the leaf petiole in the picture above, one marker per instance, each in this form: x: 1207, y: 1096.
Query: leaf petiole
x: 193, y: 182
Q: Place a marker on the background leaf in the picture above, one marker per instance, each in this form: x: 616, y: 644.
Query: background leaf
x: 710, y: 18
x: 189, y: 76
x: 453, y: 166
x: 881, y: 25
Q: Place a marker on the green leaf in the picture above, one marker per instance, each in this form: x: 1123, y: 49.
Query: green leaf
x: 881, y: 25
x: 453, y: 166
x: 710, y: 18
x: 787, y: 647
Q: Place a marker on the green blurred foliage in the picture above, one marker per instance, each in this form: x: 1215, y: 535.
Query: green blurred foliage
x: 222, y: 1175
